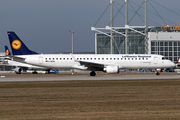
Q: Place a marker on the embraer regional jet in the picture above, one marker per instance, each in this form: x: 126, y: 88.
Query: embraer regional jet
x: 109, y: 63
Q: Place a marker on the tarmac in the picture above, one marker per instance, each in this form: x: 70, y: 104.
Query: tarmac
x: 67, y: 77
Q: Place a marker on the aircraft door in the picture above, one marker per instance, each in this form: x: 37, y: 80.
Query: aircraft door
x: 41, y: 59
x: 155, y: 60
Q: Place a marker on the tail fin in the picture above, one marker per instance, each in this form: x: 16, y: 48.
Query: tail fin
x: 17, y: 46
x: 178, y: 60
x: 7, y: 51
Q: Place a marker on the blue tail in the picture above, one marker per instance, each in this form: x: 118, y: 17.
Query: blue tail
x: 7, y: 51
x: 17, y: 46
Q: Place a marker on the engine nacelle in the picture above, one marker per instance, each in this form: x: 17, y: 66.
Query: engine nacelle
x: 18, y: 70
x: 111, y: 69
x: 177, y: 66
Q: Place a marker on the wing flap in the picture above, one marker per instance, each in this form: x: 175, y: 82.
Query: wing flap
x: 91, y: 64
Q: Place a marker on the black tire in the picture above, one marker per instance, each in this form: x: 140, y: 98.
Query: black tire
x: 157, y: 73
x: 92, y: 73
x: 34, y: 72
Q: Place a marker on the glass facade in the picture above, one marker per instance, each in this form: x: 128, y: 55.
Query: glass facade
x: 103, y: 44
x: 135, y: 43
x: 169, y: 49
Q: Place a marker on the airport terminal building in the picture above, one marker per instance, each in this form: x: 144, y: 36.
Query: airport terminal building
x: 159, y: 42
x: 2, y: 56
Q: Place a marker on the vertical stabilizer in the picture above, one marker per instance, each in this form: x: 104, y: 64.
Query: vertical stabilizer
x: 7, y: 51
x: 178, y: 60
x: 17, y: 46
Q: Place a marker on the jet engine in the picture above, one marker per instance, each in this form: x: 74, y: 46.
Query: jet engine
x: 111, y: 69
x: 18, y: 70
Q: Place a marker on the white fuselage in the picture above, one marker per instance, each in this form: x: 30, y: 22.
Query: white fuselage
x: 24, y: 66
x: 123, y: 61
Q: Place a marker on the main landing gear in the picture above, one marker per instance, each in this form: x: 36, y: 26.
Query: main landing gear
x: 35, y: 72
x: 92, y: 73
x: 158, y: 72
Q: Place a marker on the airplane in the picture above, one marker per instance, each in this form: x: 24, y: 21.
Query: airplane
x: 109, y: 63
x: 178, y: 63
x: 22, y: 66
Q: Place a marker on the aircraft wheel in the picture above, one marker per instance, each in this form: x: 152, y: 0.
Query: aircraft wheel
x: 18, y: 72
x: 157, y: 73
x: 92, y: 73
x: 34, y: 72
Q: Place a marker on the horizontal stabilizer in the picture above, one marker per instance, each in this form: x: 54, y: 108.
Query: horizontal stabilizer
x: 17, y: 59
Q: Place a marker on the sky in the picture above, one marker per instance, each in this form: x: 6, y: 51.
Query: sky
x: 43, y: 25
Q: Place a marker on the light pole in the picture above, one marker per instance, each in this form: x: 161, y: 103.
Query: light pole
x: 157, y: 43
x: 72, y: 32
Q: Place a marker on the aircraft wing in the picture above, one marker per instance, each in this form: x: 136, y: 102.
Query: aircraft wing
x: 92, y: 65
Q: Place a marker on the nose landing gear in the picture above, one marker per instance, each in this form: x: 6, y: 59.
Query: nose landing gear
x: 158, y: 72
x: 92, y: 73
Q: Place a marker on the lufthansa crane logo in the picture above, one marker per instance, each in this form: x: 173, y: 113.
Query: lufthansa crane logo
x: 16, y: 44
x: 164, y: 27
x: 7, y: 52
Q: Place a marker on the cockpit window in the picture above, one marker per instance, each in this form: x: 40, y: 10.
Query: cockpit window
x: 163, y: 58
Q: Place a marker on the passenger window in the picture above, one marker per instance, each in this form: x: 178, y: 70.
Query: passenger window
x: 139, y: 58
x: 60, y: 58
x: 98, y: 58
x: 87, y: 58
x: 67, y: 58
x: 94, y: 58
x: 106, y: 58
x: 64, y: 58
x: 135, y: 58
x: 56, y: 58
x: 49, y: 58
x: 146, y: 58
x: 132, y: 58
x: 128, y: 58
x: 114, y: 58
x: 121, y: 58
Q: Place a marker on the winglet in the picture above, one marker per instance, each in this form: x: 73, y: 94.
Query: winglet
x: 75, y: 60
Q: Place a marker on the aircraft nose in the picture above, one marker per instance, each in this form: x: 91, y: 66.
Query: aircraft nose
x: 173, y: 64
